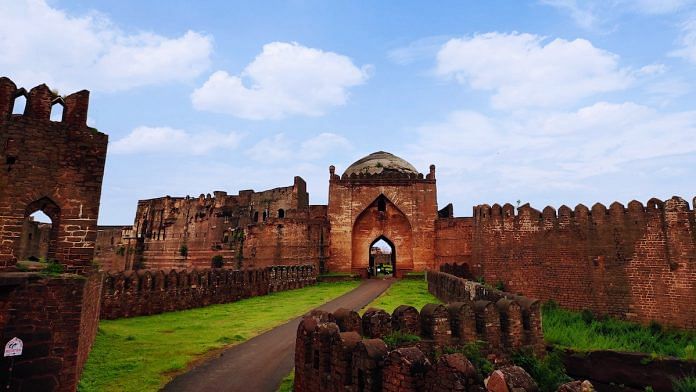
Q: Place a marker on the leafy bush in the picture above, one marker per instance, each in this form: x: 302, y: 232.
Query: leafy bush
x: 398, y: 338
x: 183, y: 250
x: 548, y: 372
x: 499, y: 285
x: 686, y: 384
x: 218, y: 261
x: 54, y: 268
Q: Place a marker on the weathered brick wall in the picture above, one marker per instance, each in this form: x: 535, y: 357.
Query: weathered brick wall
x: 408, y: 220
x: 517, y: 317
x: 453, y: 238
x: 251, y: 229
x: 331, y: 354
x: 56, y: 318
x: 637, y: 263
x: 145, y: 292
x: 53, y: 166
x: 114, y: 248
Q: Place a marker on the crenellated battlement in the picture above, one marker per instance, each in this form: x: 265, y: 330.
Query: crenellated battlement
x: 343, y: 351
x: 40, y: 100
x: 145, y: 292
x: 580, y: 215
x: 630, y: 261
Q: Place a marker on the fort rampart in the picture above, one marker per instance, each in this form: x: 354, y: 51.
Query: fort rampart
x: 145, y: 292
x: 636, y: 262
x: 343, y: 351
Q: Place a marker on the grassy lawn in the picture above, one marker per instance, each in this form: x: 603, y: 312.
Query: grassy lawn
x: 404, y: 292
x: 143, y: 353
x: 583, y: 332
x: 286, y: 385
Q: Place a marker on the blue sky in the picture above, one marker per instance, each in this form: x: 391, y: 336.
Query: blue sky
x: 549, y: 102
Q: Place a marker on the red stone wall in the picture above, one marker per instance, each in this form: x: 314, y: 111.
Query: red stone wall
x: 145, y: 292
x: 331, y: 357
x: 56, y: 318
x: 637, y: 263
x: 114, y: 248
x: 35, y: 239
x: 453, y: 238
x: 408, y: 221
x: 251, y: 229
x: 53, y: 166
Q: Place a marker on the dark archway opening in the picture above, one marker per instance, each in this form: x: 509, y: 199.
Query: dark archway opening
x: 382, y: 257
x: 39, y: 231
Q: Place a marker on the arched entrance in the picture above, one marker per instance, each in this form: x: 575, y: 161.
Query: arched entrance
x: 40, y: 230
x: 382, y: 220
x: 382, y: 257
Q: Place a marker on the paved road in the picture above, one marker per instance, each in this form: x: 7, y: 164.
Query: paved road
x: 259, y: 364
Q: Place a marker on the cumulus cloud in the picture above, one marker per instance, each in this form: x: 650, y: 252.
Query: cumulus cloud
x: 280, y: 148
x: 525, y: 70
x: 40, y: 43
x: 146, y: 139
x: 555, y: 148
x: 284, y: 79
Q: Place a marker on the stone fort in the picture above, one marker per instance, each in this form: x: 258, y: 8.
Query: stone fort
x: 636, y: 262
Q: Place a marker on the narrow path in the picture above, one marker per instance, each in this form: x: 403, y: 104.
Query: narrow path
x: 260, y: 363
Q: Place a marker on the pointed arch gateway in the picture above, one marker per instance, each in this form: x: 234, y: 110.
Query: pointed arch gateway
x: 382, y: 220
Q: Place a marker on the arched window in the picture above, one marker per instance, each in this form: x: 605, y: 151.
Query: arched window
x: 281, y: 213
x: 57, y: 108
x: 20, y: 103
x: 40, y: 230
x: 265, y: 215
x: 256, y: 216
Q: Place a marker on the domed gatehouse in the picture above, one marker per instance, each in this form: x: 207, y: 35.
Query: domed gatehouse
x: 382, y: 199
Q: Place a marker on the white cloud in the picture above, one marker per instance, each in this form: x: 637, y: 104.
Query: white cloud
x: 687, y: 42
x: 323, y: 144
x: 559, y: 149
x: 280, y: 148
x: 595, y: 14
x: 284, y: 79
x: 525, y: 70
x: 44, y: 44
x: 146, y: 139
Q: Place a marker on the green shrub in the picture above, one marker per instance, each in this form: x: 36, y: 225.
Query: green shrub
x: 218, y: 261
x: 398, y: 338
x: 183, y: 250
x: 686, y: 384
x: 587, y: 316
x: 655, y: 327
x: 121, y: 250
x: 499, y: 285
x: 54, y: 268
x: 548, y: 372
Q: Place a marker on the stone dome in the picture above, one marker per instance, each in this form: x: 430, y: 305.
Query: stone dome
x: 378, y: 163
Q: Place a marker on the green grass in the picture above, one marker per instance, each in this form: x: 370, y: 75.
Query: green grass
x: 287, y: 383
x: 583, y: 332
x: 687, y: 384
x: 404, y: 292
x: 143, y: 353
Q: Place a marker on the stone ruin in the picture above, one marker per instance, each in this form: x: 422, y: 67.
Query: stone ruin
x: 343, y: 351
x: 55, y: 167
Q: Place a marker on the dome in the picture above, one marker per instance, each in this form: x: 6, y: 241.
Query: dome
x: 380, y: 162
